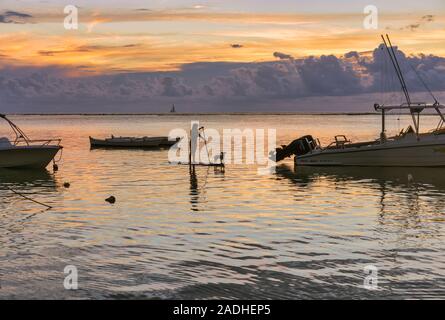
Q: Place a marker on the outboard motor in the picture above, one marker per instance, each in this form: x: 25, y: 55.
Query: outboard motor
x: 297, y: 147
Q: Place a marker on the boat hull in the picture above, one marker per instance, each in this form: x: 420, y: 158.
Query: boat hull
x: 37, y: 157
x: 413, y: 155
x: 161, y: 142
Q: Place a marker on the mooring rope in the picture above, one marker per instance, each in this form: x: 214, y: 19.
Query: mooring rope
x: 28, y: 198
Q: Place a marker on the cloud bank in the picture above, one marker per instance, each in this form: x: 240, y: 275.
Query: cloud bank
x: 229, y: 86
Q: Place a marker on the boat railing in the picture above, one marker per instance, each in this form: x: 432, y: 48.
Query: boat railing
x: 338, y: 143
x: 22, y: 138
x: 344, y: 144
x: 38, y: 142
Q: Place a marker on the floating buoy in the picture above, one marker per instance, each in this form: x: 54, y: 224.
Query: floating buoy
x: 66, y: 185
x: 110, y: 199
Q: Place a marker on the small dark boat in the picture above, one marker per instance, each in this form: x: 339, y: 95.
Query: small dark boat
x: 132, y: 142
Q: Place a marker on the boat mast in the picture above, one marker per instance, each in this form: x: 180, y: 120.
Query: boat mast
x: 414, y: 108
x: 396, y: 65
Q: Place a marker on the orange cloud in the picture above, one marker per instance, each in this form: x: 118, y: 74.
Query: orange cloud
x: 164, y: 40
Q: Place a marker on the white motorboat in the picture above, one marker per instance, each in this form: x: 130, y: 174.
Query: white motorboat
x: 24, y: 152
x: 410, y: 148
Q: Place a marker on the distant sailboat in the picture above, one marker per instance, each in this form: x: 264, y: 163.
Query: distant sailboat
x: 173, y: 110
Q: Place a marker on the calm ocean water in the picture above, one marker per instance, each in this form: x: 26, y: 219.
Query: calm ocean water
x: 298, y: 233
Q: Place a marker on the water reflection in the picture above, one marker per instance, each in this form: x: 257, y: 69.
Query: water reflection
x: 31, y: 178
x: 198, y: 190
x: 299, y: 234
x: 384, y: 177
x: 35, y: 184
x: 194, y: 189
x: 408, y: 198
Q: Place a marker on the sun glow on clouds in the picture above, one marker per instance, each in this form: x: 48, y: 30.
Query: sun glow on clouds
x: 120, y: 40
x: 94, y: 23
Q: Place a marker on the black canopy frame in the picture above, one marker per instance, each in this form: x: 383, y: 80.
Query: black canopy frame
x: 20, y: 136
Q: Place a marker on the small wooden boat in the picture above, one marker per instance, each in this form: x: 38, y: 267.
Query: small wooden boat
x: 132, y: 142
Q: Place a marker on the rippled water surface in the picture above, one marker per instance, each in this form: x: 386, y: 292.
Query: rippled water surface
x: 298, y: 233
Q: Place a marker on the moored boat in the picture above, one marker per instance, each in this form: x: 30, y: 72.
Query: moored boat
x: 132, y: 142
x: 404, y: 150
x: 23, y: 152
x: 410, y: 148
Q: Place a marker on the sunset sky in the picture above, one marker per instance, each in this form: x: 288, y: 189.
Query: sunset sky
x: 160, y: 35
x: 116, y: 37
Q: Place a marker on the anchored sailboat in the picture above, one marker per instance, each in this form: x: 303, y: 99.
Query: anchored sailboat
x: 410, y: 148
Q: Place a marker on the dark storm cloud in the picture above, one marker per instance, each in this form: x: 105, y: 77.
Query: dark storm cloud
x: 282, y: 56
x: 216, y: 82
x: 14, y: 17
x: 352, y: 54
x: 429, y: 67
x: 328, y: 75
